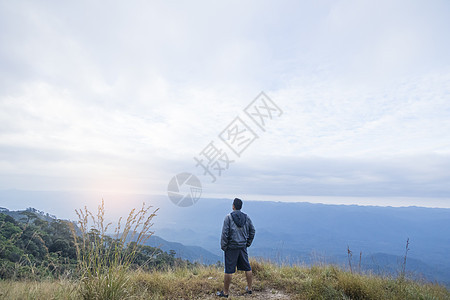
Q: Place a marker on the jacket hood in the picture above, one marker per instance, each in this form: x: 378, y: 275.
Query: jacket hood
x: 239, y: 218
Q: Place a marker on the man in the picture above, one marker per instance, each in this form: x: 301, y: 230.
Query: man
x: 237, y: 234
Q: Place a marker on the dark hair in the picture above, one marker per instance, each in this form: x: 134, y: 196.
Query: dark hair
x: 237, y: 203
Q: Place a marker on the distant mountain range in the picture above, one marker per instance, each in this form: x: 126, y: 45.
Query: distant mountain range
x: 191, y: 253
x: 302, y: 233
x: 308, y: 233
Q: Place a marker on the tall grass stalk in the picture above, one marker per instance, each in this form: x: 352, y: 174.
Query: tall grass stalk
x: 403, y: 273
x: 103, y: 260
x: 349, y: 255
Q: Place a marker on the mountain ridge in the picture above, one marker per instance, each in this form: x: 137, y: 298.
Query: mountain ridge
x: 300, y: 231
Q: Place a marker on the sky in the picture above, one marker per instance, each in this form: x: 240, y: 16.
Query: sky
x: 120, y: 96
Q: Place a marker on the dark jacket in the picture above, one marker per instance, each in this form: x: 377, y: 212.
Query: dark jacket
x: 237, y: 231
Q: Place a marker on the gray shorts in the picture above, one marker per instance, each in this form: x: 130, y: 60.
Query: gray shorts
x: 236, y: 258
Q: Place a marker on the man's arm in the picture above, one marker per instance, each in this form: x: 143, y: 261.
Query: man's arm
x: 225, y: 234
x: 251, y: 232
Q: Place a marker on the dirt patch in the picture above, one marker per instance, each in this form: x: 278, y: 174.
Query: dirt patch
x: 266, y: 294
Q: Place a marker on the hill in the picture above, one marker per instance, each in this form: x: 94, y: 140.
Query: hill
x: 289, y: 232
x: 25, y: 215
x: 94, y: 272
x: 36, y: 246
x: 190, y: 253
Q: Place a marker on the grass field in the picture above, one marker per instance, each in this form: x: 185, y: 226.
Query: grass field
x: 271, y: 282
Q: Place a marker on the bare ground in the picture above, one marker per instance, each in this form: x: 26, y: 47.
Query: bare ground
x: 270, y: 294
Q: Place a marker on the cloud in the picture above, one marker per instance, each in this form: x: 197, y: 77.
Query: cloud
x: 115, y: 92
x: 407, y: 176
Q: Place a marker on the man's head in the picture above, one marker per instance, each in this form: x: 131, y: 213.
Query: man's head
x: 237, y: 203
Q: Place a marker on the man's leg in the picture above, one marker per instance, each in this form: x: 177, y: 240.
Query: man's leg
x: 231, y: 257
x: 226, y: 283
x: 244, y: 264
x: 249, y: 276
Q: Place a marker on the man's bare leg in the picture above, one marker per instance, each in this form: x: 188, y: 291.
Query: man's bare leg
x: 226, y: 283
x: 249, y: 276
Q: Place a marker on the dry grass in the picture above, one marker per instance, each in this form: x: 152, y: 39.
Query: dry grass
x: 324, y: 282
x: 48, y: 290
x: 331, y: 282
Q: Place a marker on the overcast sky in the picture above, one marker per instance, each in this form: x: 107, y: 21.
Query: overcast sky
x: 122, y: 95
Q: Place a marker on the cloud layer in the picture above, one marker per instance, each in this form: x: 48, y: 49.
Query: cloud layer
x: 122, y: 96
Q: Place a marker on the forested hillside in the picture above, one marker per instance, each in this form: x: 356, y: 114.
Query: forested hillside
x: 35, y: 245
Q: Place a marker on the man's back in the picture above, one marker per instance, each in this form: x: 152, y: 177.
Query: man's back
x: 237, y: 231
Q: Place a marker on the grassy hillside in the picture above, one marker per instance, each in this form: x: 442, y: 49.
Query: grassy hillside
x: 53, y: 260
x: 271, y: 282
